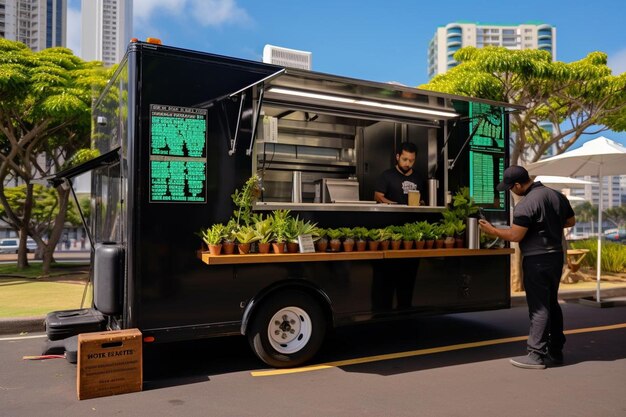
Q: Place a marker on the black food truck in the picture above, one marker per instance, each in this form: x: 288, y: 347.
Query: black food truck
x: 178, y: 131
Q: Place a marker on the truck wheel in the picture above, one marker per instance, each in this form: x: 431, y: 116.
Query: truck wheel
x: 287, y: 330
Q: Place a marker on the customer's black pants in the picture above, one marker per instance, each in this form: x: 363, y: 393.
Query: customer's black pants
x: 542, y: 274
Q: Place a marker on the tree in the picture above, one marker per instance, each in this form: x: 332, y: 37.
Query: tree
x: 577, y: 98
x: 616, y: 215
x: 586, y: 212
x: 45, y: 107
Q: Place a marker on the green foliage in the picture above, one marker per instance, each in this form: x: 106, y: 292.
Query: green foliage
x: 213, y: 235
x: 375, y: 234
x: 334, y: 234
x: 347, y: 233
x: 280, y: 223
x: 246, y: 234
x: 244, y: 200
x: 583, y: 92
x: 359, y: 233
x: 613, y: 255
x: 263, y: 229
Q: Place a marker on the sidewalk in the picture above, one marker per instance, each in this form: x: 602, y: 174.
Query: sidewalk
x: 567, y: 292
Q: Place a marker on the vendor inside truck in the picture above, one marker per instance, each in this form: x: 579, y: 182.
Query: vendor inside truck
x: 394, y: 184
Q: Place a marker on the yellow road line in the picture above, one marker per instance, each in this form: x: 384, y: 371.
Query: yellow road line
x: 420, y: 352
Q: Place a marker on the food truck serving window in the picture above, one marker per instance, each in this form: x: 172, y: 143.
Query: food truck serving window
x: 178, y: 154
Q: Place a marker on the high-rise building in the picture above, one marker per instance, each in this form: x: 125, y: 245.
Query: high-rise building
x: 39, y: 24
x: 450, y: 38
x: 107, y: 27
x: 286, y: 57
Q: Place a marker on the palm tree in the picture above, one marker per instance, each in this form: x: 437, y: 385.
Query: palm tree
x: 586, y: 212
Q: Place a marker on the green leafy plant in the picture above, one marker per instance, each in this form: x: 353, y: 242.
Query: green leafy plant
x: 280, y: 224
x: 244, y: 200
x: 246, y: 234
x: 463, y: 204
x: 263, y: 230
x: 334, y: 234
x: 386, y: 233
x: 426, y: 229
x: 230, y: 230
x: 360, y: 233
x: 375, y: 235
x: 348, y: 233
x: 213, y: 235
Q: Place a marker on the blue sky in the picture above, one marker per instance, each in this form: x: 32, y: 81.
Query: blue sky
x: 369, y: 39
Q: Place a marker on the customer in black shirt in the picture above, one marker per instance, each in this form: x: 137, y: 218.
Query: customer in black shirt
x: 538, y: 222
x: 394, y: 184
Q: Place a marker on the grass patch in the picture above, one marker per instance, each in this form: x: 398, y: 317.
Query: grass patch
x: 24, y: 293
x: 25, y: 297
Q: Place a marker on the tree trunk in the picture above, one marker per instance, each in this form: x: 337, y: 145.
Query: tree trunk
x: 57, y: 229
x: 22, y: 255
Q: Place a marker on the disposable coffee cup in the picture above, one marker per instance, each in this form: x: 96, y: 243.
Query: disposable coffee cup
x: 414, y: 198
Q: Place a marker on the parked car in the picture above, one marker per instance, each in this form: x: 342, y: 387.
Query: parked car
x: 11, y: 245
x: 615, y: 235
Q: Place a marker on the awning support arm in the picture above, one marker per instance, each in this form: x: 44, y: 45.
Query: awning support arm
x: 480, y: 121
x: 82, y: 215
x: 233, y: 142
x: 255, y: 120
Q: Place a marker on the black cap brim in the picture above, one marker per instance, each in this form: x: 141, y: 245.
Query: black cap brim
x: 503, y: 186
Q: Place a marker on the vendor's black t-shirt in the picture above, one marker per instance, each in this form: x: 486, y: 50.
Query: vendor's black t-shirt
x: 396, y: 186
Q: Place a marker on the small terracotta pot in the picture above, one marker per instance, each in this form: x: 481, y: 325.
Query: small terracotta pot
x: 419, y: 244
x: 384, y: 245
x: 243, y: 248
x: 228, y: 248
x: 264, y: 247
x: 459, y: 243
x: 293, y: 247
x: 321, y: 245
x: 361, y: 245
x: 335, y: 245
x: 448, y: 244
x: 407, y: 244
x: 348, y: 246
x: 215, y: 249
x: 395, y: 244
x: 278, y: 247
x: 373, y: 244
x: 438, y: 243
x: 429, y: 244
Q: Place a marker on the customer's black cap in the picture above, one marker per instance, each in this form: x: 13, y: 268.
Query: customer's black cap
x: 513, y: 174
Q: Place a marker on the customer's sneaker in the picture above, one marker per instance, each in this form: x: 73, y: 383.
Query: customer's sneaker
x: 531, y: 361
x: 554, y: 357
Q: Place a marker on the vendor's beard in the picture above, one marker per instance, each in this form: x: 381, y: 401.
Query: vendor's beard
x: 403, y: 169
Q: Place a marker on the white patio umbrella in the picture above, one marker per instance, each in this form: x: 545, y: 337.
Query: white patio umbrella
x: 600, y: 157
x: 569, y: 182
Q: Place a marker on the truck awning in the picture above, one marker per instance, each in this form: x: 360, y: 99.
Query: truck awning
x: 57, y: 179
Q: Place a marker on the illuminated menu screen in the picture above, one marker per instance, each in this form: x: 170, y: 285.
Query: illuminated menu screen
x: 487, y: 155
x: 177, y: 154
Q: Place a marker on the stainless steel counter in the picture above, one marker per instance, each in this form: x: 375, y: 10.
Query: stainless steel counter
x: 353, y: 206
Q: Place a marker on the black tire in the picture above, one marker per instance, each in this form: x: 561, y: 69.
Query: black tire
x: 292, y: 337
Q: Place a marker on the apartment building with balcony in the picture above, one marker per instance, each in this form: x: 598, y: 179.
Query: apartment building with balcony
x: 39, y: 24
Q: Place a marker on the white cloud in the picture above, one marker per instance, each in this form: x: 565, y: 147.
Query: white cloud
x: 73, y: 30
x: 205, y: 12
x: 218, y: 12
x: 617, y: 62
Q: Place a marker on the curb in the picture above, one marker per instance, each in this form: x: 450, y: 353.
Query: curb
x: 21, y: 325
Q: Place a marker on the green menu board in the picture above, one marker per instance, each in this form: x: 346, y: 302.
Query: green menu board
x: 487, y: 155
x: 177, y: 154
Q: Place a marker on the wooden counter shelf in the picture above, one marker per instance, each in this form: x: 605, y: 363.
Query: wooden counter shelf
x: 209, y: 259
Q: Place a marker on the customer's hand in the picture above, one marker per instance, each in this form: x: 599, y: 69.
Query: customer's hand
x: 487, y: 227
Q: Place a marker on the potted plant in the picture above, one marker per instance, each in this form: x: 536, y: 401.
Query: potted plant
x: 396, y: 237
x: 335, y: 236
x: 437, y: 234
x: 448, y: 231
x: 321, y: 244
x: 385, y: 238
x: 291, y: 234
x: 348, y: 239
x: 427, y: 234
x: 213, y: 236
x: 459, y: 233
x: 228, y: 243
x: 360, y: 235
x: 244, y: 237
x: 407, y: 236
x: 263, y: 231
x: 244, y: 200
x: 374, y: 236
x: 279, y: 226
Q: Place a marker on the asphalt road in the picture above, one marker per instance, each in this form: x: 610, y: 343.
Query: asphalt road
x: 455, y: 365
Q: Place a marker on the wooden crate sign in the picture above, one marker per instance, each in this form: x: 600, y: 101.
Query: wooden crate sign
x: 109, y: 363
